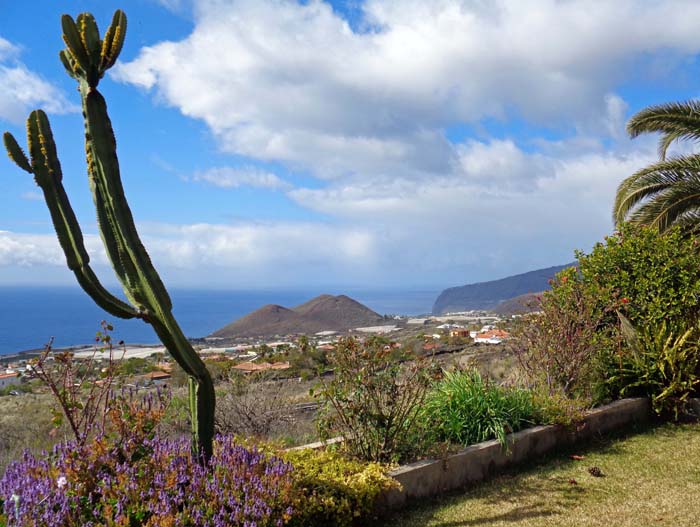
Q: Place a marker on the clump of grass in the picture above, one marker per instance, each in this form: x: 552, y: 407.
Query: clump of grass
x: 465, y: 408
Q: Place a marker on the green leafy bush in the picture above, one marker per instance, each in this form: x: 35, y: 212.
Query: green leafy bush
x: 373, y: 400
x: 661, y: 361
x: 573, y: 347
x: 465, y: 408
x: 656, y: 276
x: 654, y: 280
x: 330, y: 489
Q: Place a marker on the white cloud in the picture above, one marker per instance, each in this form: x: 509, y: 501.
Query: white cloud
x: 295, y: 83
x: 367, y: 112
x: 442, y: 231
x: 257, y: 250
x: 35, y: 250
x: 171, y: 5
x: 7, y: 49
x: 533, y: 212
x: 228, y: 177
x: 32, y: 195
x: 241, y: 255
x: 23, y: 90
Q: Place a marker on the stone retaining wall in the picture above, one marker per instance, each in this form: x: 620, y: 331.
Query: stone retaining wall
x: 483, y: 460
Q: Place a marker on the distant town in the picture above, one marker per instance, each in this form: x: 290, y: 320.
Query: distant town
x: 152, y: 366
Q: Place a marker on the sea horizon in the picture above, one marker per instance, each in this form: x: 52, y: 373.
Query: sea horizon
x: 31, y: 316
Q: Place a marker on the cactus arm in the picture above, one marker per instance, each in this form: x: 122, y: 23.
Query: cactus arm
x: 113, y: 41
x: 69, y: 64
x: 48, y: 175
x: 71, y: 36
x: 90, y: 37
x: 15, y: 152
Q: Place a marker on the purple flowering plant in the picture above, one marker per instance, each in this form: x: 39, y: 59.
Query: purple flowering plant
x: 124, y: 474
x: 95, y: 485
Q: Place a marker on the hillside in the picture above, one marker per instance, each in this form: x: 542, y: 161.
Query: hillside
x: 488, y: 295
x: 323, y: 313
x: 526, y: 303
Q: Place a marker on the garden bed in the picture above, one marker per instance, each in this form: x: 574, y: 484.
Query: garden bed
x: 483, y: 460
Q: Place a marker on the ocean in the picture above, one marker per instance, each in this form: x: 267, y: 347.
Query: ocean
x: 30, y: 316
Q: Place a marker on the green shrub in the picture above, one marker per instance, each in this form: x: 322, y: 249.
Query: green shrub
x: 573, y: 346
x: 330, y: 489
x: 661, y: 361
x: 657, y: 276
x: 373, y: 399
x: 465, y: 409
x: 558, y: 409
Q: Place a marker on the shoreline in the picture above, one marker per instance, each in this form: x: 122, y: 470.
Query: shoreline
x: 84, y: 351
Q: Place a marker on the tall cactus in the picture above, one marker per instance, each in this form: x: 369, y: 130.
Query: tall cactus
x: 86, y: 58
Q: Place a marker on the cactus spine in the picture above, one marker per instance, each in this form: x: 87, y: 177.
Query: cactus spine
x: 86, y: 58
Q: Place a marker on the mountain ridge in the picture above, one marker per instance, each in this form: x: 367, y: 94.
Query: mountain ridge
x: 488, y: 295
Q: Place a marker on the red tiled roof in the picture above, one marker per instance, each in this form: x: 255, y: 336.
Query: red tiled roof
x: 493, y: 334
x: 158, y: 375
x: 254, y: 366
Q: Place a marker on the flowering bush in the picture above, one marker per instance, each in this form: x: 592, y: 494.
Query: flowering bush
x: 124, y: 474
x: 152, y: 482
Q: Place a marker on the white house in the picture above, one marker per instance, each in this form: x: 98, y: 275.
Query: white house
x: 494, y: 336
x: 9, y: 378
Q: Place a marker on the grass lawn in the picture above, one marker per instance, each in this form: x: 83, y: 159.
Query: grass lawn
x: 650, y: 479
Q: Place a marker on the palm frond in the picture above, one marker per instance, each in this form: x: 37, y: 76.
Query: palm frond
x: 677, y: 120
x: 649, y: 183
x: 689, y: 222
x: 668, y: 206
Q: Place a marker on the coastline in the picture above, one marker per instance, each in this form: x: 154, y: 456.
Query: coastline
x: 84, y: 351
x: 29, y: 316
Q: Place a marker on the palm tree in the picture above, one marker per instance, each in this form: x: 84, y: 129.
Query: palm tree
x: 666, y: 193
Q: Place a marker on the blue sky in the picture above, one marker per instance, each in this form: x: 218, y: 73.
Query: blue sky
x: 384, y: 143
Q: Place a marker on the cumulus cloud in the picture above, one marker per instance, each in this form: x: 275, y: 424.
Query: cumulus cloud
x: 369, y: 110
x: 35, y: 250
x: 228, y: 177
x: 533, y: 212
x: 27, y: 250
x: 394, y: 230
x: 7, y: 49
x: 298, y: 84
x: 270, y: 250
x: 23, y: 90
